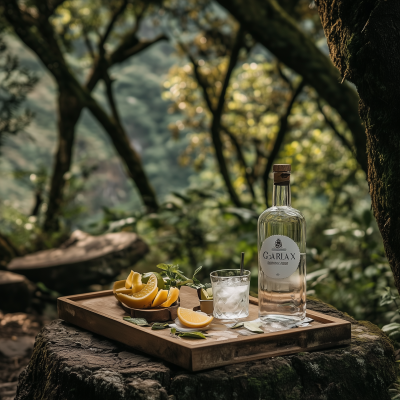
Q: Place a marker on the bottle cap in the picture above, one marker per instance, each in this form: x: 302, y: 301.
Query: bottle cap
x: 282, y: 174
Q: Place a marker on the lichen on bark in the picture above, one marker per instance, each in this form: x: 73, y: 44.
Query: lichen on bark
x: 364, y: 44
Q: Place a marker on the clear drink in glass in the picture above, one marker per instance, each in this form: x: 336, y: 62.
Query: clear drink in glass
x: 230, y: 293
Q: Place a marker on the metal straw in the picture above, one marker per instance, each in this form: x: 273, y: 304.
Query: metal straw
x: 241, y: 264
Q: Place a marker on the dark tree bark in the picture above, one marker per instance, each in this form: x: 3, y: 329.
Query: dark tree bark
x: 364, y: 44
x: 69, y: 110
x: 273, y: 27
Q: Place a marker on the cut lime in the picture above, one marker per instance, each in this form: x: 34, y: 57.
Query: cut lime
x: 160, y: 280
x: 206, y: 294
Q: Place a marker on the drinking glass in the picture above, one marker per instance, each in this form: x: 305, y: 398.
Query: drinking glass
x: 231, y: 293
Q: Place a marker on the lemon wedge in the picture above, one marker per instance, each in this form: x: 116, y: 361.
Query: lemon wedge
x: 137, y: 284
x: 161, y: 297
x: 172, y: 297
x: 128, y: 282
x: 193, y: 319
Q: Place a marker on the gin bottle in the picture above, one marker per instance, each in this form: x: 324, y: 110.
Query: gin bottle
x: 281, y: 254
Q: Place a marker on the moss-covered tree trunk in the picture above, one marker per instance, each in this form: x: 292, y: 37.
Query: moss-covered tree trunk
x: 364, y: 44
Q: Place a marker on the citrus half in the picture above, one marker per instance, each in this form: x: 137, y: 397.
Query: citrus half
x: 193, y: 319
x: 143, y: 298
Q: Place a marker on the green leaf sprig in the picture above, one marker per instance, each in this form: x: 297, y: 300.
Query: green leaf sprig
x: 174, y: 277
x: 193, y: 335
x: 159, y: 325
x: 137, y: 321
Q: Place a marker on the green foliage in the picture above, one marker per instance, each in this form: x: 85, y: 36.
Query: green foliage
x: 15, y: 83
x: 175, y: 278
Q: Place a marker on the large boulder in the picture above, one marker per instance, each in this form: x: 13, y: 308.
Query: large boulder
x: 15, y: 292
x: 82, y: 261
x: 69, y: 363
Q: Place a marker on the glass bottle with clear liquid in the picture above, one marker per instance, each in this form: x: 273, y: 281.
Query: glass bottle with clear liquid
x: 282, y: 254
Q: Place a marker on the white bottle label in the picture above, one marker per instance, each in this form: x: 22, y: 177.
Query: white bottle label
x: 279, y: 256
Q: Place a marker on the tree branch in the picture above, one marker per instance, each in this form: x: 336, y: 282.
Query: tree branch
x: 200, y: 82
x: 241, y: 159
x: 110, y: 25
x: 140, y: 46
x: 124, y: 148
x: 217, y: 112
x: 110, y: 97
x: 331, y: 124
x: 128, y: 47
x: 232, y: 63
x: 88, y: 44
x: 279, y: 138
x: 283, y: 76
x: 256, y: 171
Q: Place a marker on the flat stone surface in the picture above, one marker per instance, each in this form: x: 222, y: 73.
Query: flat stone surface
x: 69, y: 363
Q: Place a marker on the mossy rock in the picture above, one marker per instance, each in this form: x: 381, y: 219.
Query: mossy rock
x: 69, y: 363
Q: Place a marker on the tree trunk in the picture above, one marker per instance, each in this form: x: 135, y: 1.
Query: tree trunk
x: 69, y: 363
x: 81, y: 261
x: 364, y: 44
x: 44, y: 43
x: 69, y: 110
x: 127, y: 153
x: 273, y: 27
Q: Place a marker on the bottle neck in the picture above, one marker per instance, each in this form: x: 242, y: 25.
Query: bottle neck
x: 281, y: 196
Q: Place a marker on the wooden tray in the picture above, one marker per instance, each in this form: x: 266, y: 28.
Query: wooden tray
x: 100, y: 313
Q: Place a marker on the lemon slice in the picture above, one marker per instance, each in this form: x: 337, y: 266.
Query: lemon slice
x: 123, y: 291
x: 119, y: 286
x: 137, y: 284
x: 161, y: 297
x: 128, y: 282
x: 172, y: 297
x: 193, y: 319
x: 143, y: 298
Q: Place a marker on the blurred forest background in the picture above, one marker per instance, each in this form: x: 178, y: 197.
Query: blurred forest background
x: 164, y: 118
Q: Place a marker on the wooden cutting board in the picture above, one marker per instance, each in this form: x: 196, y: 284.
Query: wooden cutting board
x: 100, y: 313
